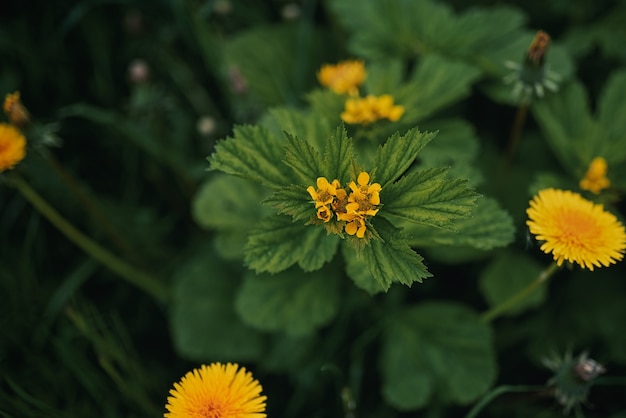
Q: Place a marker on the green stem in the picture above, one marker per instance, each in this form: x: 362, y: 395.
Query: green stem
x: 497, y: 392
x: 497, y: 310
x: 516, y: 130
x: 96, y: 214
x: 115, y: 264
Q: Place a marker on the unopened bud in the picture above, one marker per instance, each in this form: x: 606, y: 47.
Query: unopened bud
x: 139, y: 71
x: 16, y: 112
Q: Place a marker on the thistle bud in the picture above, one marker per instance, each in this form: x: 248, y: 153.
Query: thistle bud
x: 573, y: 378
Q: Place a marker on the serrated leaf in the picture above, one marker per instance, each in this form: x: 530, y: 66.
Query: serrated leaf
x: 440, y: 349
x: 294, y: 201
x: 397, y: 154
x: 488, y: 227
x: 277, y: 243
x: 304, y: 160
x: 308, y: 164
x: 292, y: 301
x: 226, y: 202
x: 203, y: 322
x: 359, y: 271
x: 428, y: 197
x: 339, y: 156
x: 391, y: 259
x: 308, y: 125
x: 254, y: 154
x: 508, y: 274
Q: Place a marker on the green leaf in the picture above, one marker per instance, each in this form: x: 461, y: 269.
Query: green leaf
x: 277, y: 243
x: 226, y: 202
x: 404, y: 29
x: 611, y: 111
x: 436, y: 349
x: 203, y: 322
x: 437, y: 82
x: 294, y: 201
x: 292, y: 301
x: 489, y: 227
x: 391, y: 259
x: 398, y: 153
x: 508, y: 274
x: 309, y: 125
x: 569, y: 128
x: 254, y: 154
x: 456, y: 146
x: 304, y: 160
x: 339, y: 156
x: 428, y: 197
x: 308, y: 164
x: 359, y: 271
x: 384, y: 76
x: 278, y: 63
x: 327, y: 103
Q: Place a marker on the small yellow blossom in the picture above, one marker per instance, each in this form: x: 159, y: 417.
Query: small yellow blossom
x: 350, y: 210
x: 595, y: 179
x: 575, y: 229
x: 323, y: 196
x: 217, y: 391
x: 344, y: 77
x: 370, y: 109
x: 15, y: 110
x: 12, y: 146
x: 361, y: 205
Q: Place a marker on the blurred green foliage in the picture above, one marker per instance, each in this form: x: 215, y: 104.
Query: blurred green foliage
x: 130, y: 97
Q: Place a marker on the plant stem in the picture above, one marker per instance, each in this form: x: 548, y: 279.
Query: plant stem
x: 497, y: 392
x: 96, y: 214
x: 115, y: 264
x: 516, y: 130
x: 497, y: 310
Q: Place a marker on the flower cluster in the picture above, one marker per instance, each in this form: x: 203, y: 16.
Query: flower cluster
x: 351, y: 210
x: 366, y: 110
x: 575, y: 229
x: 344, y: 77
x: 216, y: 391
x: 595, y: 179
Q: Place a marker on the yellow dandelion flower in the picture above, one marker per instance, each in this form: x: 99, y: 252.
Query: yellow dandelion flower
x: 216, y: 391
x: 575, y: 229
x: 344, y: 77
x: 595, y: 179
x: 12, y: 146
x: 366, y: 110
x: 15, y: 110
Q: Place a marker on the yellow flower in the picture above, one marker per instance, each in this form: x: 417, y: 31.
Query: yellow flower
x: 15, y: 110
x: 323, y: 196
x: 575, y: 229
x: 361, y: 205
x: 216, y: 391
x: 369, y: 109
x: 12, y: 146
x: 344, y: 77
x: 595, y: 179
